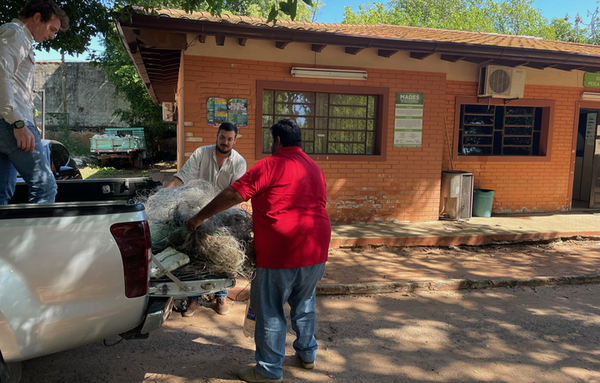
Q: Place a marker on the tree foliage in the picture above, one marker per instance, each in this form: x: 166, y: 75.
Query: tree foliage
x: 512, y: 17
x: 122, y: 74
x: 88, y: 18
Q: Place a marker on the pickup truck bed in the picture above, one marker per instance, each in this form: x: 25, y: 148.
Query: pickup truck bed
x: 75, y: 273
x: 102, y: 189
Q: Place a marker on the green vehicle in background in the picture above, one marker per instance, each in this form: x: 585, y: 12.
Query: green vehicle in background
x: 120, y: 147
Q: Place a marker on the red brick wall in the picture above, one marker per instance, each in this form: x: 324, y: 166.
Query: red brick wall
x: 404, y: 187
x: 524, y: 186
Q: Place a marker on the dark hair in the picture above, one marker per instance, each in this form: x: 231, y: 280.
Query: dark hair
x: 47, y: 9
x: 228, y: 127
x: 288, y: 132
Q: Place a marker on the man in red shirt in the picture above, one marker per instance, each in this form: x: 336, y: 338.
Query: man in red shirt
x: 292, y: 232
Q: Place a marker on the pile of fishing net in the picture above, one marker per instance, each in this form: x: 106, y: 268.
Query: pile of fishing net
x: 222, y: 245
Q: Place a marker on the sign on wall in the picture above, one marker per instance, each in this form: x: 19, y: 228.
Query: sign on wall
x: 237, y: 111
x: 591, y: 80
x: 590, y: 128
x: 216, y: 111
x: 408, y: 122
x: 220, y: 110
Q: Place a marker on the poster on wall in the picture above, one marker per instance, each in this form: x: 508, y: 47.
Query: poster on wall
x: 237, y: 111
x: 590, y: 128
x: 216, y: 111
x: 408, y: 122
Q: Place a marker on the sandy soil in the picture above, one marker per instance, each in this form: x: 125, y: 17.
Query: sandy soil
x: 506, y: 260
x: 504, y: 335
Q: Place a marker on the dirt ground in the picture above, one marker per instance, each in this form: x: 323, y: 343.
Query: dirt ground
x: 505, y: 260
x: 522, y: 334
x: 508, y: 335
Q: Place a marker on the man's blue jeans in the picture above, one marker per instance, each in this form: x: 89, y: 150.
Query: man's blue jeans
x: 32, y: 166
x: 270, y: 289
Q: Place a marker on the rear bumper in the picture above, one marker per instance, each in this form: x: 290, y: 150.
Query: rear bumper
x: 157, y: 312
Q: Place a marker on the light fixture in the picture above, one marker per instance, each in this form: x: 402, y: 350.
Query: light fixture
x: 591, y: 96
x: 329, y: 73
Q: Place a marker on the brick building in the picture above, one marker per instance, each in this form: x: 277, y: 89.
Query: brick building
x: 389, y: 108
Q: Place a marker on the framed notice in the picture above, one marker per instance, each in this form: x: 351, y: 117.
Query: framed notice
x: 408, y: 120
x: 216, y: 111
x: 237, y: 111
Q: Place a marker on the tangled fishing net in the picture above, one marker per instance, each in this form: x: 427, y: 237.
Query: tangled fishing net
x: 221, y: 245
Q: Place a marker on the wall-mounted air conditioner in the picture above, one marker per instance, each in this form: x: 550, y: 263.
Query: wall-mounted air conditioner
x: 501, y: 82
x: 167, y: 111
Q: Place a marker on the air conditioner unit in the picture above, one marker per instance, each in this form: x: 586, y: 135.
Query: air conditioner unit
x: 501, y: 82
x: 167, y: 111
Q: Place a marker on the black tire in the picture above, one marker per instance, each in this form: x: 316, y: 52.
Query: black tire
x: 137, y: 161
x: 10, y: 372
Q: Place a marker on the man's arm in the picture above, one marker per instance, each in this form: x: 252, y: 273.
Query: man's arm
x: 174, y: 183
x: 226, y: 199
x: 12, y: 52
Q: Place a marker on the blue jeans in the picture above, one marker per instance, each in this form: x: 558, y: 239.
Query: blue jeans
x: 32, y: 166
x: 270, y: 289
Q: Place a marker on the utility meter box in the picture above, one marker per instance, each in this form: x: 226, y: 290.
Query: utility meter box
x: 456, y: 195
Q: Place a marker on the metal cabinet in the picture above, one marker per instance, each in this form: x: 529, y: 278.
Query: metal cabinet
x: 456, y: 195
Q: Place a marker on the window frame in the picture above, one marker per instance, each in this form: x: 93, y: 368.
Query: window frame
x: 382, y: 115
x: 547, y: 127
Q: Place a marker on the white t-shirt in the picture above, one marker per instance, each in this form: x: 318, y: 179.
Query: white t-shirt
x: 203, y: 165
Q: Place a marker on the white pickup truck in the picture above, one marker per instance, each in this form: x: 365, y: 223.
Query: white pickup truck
x: 72, y: 273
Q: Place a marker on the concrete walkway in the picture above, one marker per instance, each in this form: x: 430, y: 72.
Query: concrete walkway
x: 439, y: 271
x: 476, y: 231
x: 358, y: 272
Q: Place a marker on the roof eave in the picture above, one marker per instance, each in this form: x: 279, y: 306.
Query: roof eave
x: 247, y: 31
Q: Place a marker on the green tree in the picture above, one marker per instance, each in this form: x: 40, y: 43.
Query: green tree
x: 122, y: 74
x: 89, y: 18
x: 513, y: 17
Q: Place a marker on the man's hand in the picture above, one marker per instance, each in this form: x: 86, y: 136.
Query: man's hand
x: 226, y: 199
x: 25, y: 139
x: 194, y: 222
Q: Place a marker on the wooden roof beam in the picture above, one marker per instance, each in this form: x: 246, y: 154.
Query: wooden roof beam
x: 281, y: 44
x: 479, y: 60
x: 452, y: 58
x: 317, y: 47
x: 387, y: 53
x: 353, y: 50
x: 539, y: 65
x: 420, y: 55
x: 242, y: 42
x: 220, y: 40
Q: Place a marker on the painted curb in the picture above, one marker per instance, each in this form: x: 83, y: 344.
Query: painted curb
x: 452, y: 284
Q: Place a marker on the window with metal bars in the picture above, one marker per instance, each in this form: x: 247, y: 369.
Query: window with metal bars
x: 500, y: 130
x: 331, y: 123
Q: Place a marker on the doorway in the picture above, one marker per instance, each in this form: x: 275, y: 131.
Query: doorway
x: 586, y: 180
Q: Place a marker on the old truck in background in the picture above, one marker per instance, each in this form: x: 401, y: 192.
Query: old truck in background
x: 120, y: 146
x: 72, y: 273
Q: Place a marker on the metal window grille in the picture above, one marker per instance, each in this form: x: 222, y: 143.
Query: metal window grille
x: 331, y: 123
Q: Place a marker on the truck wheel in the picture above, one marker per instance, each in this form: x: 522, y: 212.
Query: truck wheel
x: 137, y: 161
x: 10, y: 372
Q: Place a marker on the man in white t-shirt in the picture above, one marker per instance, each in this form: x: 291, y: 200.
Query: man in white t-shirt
x: 220, y: 165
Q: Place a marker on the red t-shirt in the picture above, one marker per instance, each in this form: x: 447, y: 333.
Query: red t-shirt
x: 291, y: 227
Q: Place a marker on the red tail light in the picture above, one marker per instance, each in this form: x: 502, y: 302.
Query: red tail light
x: 133, y: 239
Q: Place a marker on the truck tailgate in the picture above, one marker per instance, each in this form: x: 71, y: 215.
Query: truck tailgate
x: 166, y: 287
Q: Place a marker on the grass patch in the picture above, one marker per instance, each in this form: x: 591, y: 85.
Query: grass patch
x: 93, y: 172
